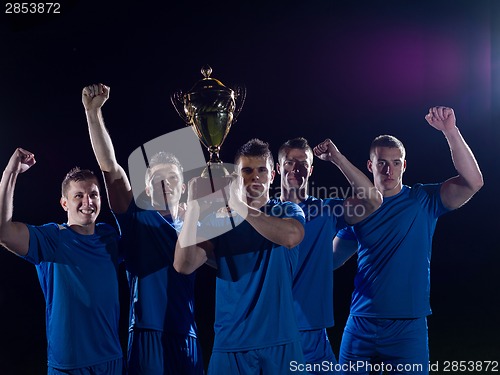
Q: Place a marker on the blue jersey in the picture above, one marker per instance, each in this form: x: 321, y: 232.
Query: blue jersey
x: 160, y: 298
x: 394, y: 254
x: 78, y: 276
x: 313, y: 280
x: 254, y: 302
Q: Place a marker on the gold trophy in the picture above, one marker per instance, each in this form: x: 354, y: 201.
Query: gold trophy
x: 210, y: 108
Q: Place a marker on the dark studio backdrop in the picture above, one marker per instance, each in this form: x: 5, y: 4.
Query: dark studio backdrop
x: 346, y: 70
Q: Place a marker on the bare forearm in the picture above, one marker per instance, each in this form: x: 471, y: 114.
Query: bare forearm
x: 463, y: 159
x: 284, y: 232
x: 14, y: 236
x: 357, y: 179
x: 188, y: 255
x: 101, y: 141
x: 457, y: 190
x: 364, y: 191
x: 7, y: 186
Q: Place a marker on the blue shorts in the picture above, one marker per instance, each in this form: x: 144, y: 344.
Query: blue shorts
x: 318, y: 352
x: 106, y: 368
x: 157, y: 353
x: 396, y: 346
x: 272, y: 360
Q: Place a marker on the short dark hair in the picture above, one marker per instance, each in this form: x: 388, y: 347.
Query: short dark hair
x: 163, y: 157
x: 77, y: 174
x: 387, y: 141
x: 255, y: 148
x: 298, y: 143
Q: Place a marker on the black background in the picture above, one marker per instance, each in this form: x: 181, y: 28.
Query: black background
x: 347, y: 70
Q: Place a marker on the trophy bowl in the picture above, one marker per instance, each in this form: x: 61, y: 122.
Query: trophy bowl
x: 210, y: 108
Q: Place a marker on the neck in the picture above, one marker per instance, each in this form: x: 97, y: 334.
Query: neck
x: 391, y: 192
x: 167, y: 209
x: 258, y: 202
x: 172, y: 212
x: 83, y: 229
x: 295, y: 195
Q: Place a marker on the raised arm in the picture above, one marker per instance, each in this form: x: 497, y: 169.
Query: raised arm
x: 191, y: 252
x: 366, y: 198
x: 117, y: 183
x: 457, y: 190
x: 14, y: 236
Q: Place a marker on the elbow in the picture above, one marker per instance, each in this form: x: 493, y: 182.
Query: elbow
x: 478, y: 183
x: 108, y: 165
x: 182, y: 267
x: 3, y: 237
x: 474, y: 185
x: 360, y: 207
x: 295, y: 237
x: 183, y: 263
x: 370, y: 201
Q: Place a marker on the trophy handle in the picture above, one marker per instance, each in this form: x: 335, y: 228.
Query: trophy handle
x: 240, y: 93
x: 177, y: 99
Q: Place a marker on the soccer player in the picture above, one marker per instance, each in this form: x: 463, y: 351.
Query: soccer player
x: 255, y: 328
x: 162, y: 329
x: 390, y: 302
x: 77, y: 265
x: 313, y: 279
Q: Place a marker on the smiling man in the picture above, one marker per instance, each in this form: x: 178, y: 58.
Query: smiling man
x: 77, y: 266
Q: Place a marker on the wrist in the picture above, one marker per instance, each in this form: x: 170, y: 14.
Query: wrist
x: 450, y: 133
x: 238, y: 206
x: 92, y: 111
x: 338, y: 159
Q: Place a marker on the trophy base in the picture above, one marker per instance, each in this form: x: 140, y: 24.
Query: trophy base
x: 215, y: 177
x: 215, y: 169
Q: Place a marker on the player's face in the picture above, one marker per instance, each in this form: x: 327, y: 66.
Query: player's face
x: 257, y: 174
x: 165, y: 186
x: 82, y: 203
x: 387, y: 165
x: 295, y: 169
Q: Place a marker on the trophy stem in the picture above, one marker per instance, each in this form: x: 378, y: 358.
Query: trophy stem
x: 215, y: 167
x: 214, y: 155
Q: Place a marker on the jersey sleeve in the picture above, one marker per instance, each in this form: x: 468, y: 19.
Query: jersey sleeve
x: 430, y: 197
x: 44, y: 240
x: 288, y: 210
x: 336, y: 209
x: 347, y: 234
